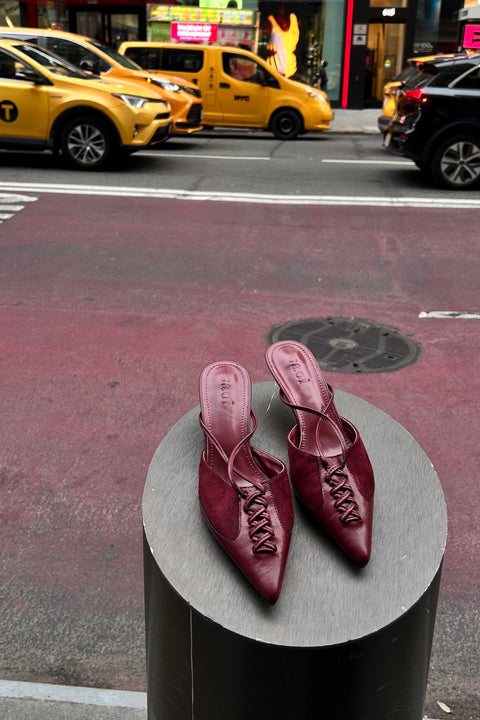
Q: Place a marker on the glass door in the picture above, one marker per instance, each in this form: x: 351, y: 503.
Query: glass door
x: 385, y: 43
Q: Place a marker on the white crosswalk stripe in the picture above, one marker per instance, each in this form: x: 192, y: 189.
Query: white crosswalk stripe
x: 11, y: 204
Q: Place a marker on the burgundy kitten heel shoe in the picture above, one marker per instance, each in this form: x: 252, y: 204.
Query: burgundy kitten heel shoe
x: 329, y: 466
x: 244, y: 492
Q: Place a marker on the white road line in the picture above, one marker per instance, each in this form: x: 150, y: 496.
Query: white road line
x: 197, y: 156
x: 368, y: 162
x: 451, y: 314
x: 67, y: 693
x: 452, y: 201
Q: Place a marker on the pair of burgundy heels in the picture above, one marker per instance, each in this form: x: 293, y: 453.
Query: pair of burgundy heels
x: 245, y: 493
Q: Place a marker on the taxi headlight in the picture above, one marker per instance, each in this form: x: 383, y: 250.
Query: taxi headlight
x: 316, y: 95
x: 167, y: 85
x: 134, y: 100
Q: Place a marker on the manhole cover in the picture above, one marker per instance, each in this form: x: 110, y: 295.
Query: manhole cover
x: 351, y: 345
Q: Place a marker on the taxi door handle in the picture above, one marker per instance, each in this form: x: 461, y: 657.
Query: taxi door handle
x: 224, y: 85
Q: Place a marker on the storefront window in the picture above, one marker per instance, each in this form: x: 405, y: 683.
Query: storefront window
x: 10, y: 13
x: 296, y: 36
x: 52, y: 14
x: 436, y: 29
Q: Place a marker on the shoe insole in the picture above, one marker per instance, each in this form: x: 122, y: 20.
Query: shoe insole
x: 225, y: 397
x: 297, y: 373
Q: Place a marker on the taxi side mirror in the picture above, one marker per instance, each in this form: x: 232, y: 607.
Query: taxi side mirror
x: 31, y: 75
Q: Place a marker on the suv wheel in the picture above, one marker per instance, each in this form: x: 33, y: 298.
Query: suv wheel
x: 86, y: 143
x: 286, y: 124
x: 456, y: 164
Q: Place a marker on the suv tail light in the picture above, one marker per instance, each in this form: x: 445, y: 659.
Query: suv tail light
x: 417, y: 96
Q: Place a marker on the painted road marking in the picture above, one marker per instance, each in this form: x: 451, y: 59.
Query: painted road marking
x: 67, y: 693
x: 11, y: 204
x: 450, y: 202
x: 406, y: 163
x: 452, y: 314
x: 197, y: 156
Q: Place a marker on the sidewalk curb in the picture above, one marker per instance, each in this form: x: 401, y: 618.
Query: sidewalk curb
x: 73, y: 694
x: 19, y: 690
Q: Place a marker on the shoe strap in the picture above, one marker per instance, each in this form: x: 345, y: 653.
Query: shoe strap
x: 230, y: 460
x: 321, y: 417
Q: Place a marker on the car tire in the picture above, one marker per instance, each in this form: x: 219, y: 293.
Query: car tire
x: 456, y: 163
x: 286, y: 124
x: 86, y: 142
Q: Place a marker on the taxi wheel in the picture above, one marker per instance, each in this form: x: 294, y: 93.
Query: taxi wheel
x: 456, y: 164
x: 86, y: 142
x: 286, y: 124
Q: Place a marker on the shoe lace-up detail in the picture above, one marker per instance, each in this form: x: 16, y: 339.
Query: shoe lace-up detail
x: 261, y: 531
x: 342, y: 493
x: 255, y: 505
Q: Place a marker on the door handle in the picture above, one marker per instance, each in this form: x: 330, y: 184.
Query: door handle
x: 224, y: 85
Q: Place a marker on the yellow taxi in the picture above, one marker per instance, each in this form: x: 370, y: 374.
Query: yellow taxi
x: 47, y: 103
x: 239, y: 89
x: 95, y: 57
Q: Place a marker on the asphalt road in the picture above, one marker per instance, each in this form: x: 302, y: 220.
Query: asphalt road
x: 350, y: 165
x: 117, y: 288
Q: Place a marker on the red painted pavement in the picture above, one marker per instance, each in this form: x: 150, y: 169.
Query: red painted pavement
x: 111, y: 307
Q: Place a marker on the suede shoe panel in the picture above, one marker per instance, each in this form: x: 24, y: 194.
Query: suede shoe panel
x: 219, y: 501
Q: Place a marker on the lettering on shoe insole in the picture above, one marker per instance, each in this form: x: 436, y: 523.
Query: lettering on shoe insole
x: 225, y: 401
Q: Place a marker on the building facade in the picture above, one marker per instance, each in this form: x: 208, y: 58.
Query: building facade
x: 365, y: 42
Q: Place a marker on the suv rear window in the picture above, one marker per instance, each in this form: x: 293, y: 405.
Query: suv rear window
x: 438, y: 75
x: 470, y: 81
x: 182, y: 60
x: 448, y: 74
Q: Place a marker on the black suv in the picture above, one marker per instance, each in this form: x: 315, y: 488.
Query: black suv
x: 437, y: 122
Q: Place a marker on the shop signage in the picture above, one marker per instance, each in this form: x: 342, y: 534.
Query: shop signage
x: 192, y: 14
x: 237, y: 35
x: 471, y: 36
x: 388, y: 14
x: 194, y: 32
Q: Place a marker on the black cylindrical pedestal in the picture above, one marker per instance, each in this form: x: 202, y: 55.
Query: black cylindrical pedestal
x: 341, y: 642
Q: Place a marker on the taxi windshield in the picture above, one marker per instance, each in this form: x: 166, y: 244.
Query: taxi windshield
x: 120, y: 59
x: 52, y: 62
